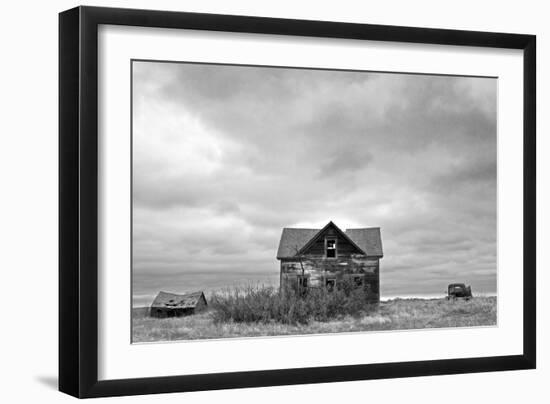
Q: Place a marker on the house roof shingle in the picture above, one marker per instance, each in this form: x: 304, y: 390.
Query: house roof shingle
x: 368, y: 239
x: 293, y: 240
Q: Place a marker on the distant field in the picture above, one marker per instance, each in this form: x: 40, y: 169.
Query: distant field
x: 396, y: 314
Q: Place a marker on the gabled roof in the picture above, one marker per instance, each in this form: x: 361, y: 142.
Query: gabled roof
x: 320, y: 233
x: 175, y: 301
x: 366, y: 239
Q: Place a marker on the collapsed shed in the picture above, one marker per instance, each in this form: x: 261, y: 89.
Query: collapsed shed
x: 175, y: 305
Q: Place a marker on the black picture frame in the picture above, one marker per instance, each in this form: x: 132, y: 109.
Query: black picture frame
x: 78, y: 200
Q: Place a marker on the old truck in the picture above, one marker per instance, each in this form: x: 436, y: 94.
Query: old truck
x: 459, y: 291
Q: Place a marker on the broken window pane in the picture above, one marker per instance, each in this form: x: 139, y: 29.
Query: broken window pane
x: 358, y: 280
x: 331, y: 248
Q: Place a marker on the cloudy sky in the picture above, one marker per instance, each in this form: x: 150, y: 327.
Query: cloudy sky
x: 224, y: 157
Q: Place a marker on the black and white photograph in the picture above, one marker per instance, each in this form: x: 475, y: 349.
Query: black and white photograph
x: 216, y: 201
x: 271, y: 201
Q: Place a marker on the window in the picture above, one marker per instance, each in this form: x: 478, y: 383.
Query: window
x: 330, y: 283
x: 358, y: 281
x: 331, y: 248
x: 302, y: 284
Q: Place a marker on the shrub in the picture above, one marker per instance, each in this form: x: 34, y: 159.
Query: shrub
x: 264, y: 304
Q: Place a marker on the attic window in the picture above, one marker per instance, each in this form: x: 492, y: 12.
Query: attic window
x: 331, y: 248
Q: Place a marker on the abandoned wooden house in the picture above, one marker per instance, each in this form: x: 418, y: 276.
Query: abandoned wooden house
x: 328, y: 257
x: 175, y: 305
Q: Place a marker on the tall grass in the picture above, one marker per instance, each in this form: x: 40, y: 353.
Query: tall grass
x: 397, y: 314
x: 264, y: 304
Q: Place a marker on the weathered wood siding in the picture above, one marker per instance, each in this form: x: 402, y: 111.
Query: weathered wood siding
x: 318, y: 269
x: 344, y: 247
x: 164, y: 312
x: 201, y: 305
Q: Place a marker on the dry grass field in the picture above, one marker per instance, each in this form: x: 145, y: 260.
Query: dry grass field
x: 396, y: 314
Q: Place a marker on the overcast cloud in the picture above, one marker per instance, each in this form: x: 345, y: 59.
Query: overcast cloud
x: 224, y: 157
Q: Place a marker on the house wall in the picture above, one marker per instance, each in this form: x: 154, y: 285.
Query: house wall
x: 201, y: 305
x: 318, y: 269
x: 164, y: 312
